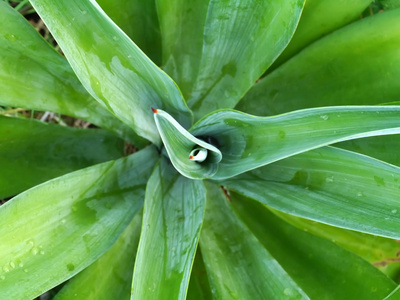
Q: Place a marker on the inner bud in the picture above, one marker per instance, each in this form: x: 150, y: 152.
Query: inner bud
x: 198, y: 154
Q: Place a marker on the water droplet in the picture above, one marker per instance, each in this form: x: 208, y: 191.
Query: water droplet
x: 31, y: 242
x: 42, y: 252
x: 35, y: 250
x: 360, y: 194
x: 84, y: 12
x: 26, y: 270
x: 394, y: 211
x: 10, y: 37
x: 70, y: 267
x: 63, y: 221
x: 12, y: 265
x: 6, y: 269
x: 287, y: 291
x: 329, y: 179
x: 115, y: 38
x: 20, y: 265
x: 2, y: 277
x: 74, y: 208
x: 324, y: 117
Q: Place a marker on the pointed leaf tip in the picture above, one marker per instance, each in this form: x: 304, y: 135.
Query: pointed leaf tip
x: 154, y: 110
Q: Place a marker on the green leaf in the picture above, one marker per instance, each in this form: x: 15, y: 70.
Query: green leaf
x: 173, y: 214
x: 33, y: 75
x: 247, y: 142
x: 238, y: 265
x: 379, y: 251
x: 138, y: 19
x: 331, y: 186
x: 395, y: 294
x: 32, y: 152
x: 357, y: 64
x: 199, y: 286
x: 65, y: 224
x: 319, y: 18
x: 227, y: 68
x: 110, y: 277
x: 380, y: 147
x: 321, y: 268
x: 182, y: 148
x: 111, y: 67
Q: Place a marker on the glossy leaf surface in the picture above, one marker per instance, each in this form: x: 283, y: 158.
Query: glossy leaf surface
x: 65, y: 224
x: 321, y: 268
x: 110, y: 277
x: 229, y: 47
x: 173, y: 214
x: 319, y: 18
x: 110, y: 66
x: 238, y: 265
x: 331, y: 186
x: 247, y: 142
x: 32, y: 152
x: 180, y: 144
x: 138, y: 19
x: 359, y: 65
x: 199, y: 286
x: 33, y: 75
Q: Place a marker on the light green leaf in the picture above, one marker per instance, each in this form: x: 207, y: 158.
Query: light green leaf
x: 199, y: 286
x: 321, y: 268
x: 65, y: 224
x: 110, y: 277
x: 34, y: 76
x: 238, y: 265
x: 319, y: 18
x: 173, y: 214
x: 191, y: 156
x: 32, y: 152
x: 357, y: 64
x: 240, y: 41
x: 138, y: 19
x: 110, y: 66
x: 247, y: 142
x: 331, y: 186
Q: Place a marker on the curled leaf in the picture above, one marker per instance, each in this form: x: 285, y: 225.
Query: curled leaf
x: 190, y: 155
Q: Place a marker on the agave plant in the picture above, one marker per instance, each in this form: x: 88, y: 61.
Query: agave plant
x: 236, y: 191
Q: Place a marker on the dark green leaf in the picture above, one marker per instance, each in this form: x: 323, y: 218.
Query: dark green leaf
x: 52, y: 231
x: 238, y: 265
x: 173, y: 213
x: 32, y: 152
x: 321, y: 268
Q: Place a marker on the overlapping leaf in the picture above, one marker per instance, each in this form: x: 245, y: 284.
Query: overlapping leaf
x: 356, y: 65
x: 247, y: 142
x: 110, y: 66
x: 65, y: 224
x: 238, y: 265
x: 32, y: 152
x: 331, y: 186
x: 322, y: 269
x: 33, y: 75
x: 173, y: 214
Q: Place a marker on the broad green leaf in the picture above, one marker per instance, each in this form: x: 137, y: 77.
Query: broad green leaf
x: 380, y: 147
x: 191, y: 156
x: 319, y: 18
x: 34, y: 76
x: 321, y: 268
x: 381, y: 252
x: 182, y: 39
x: 173, y: 214
x: 199, y: 286
x: 138, y: 19
x: 65, y: 224
x: 394, y: 295
x: 110, y: 277
x: 110, y: 66
x: 389, y: 4
x: 247, y: 142
x: 32, y: 152
x: 355, y: 65
x: 238, y: 265
x: 241, y: 39
x: 331, y: 186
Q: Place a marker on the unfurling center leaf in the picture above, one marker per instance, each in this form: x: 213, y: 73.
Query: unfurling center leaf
x: 190, y: 155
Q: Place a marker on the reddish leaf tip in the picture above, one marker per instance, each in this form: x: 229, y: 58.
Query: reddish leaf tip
x: 191, y: 157
x: 154, y: 110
